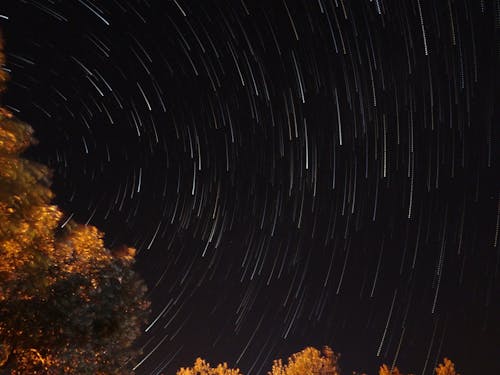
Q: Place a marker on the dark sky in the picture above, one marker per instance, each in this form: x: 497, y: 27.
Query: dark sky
x: 292, y: 173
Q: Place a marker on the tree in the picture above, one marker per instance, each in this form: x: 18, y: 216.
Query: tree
x: 201, y: 367
x: 309, y: 361
x: 67, y: 303
x: 3, y: 73
x: 384, y: 370
x: 446, y: 368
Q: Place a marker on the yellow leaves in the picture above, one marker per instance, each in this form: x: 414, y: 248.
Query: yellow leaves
x: 309, y: 361
x: 446, y: 368
x: 5, y: 350
x: 15, y: 136
x: 23, y: 184
x: 124, y: 252
x: 12, y: 257
x: 81, y: 250
x: 43, y: 220
x: 4, y: 112
x: 27, y: 220
x: 10, y: 168
x: 31, y: 361
x: 69, y: 305
x: 4, y: 76
x: 384, y: 370
x: 201, y: 367
x: 7, y: 141
x: 278, y: 368
x: 35, y: 230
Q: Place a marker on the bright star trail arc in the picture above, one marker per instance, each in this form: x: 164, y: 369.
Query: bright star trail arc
x: 292, y: 173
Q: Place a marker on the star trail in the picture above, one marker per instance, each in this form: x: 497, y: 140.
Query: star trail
x: 291, y: 172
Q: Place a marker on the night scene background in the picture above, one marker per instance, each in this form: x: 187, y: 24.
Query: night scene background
x: 292, y: 173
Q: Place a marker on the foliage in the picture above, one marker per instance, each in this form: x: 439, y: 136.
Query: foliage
x: 67, y: 304
x: 446, y: 368
x: 309, y: 361
x: 385, y: 370
x: 3, y: 73
x: 201, y: 367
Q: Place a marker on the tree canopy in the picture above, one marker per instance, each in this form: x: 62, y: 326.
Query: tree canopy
x: 202, y: 367
x: 446, y: 368
x: 309, y: 361
x: 385, y: 370
x: 67, y: 303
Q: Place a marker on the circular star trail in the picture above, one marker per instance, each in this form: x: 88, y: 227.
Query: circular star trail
x: 291, y: 173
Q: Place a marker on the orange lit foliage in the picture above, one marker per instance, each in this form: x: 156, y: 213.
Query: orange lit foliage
x: 309, y: 361
x: 27, y: 218
x: 68, y: 305
x: 446, y: 368
x: 3, y: 74
x: 384, y: 370
x: 201, y: 367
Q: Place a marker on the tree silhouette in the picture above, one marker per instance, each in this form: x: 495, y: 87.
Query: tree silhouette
x: 67, y: 304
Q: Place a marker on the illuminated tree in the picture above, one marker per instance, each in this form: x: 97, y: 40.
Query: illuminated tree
x: 384, y: 370
x: 309, y: 361
x: 68, y: 305
x: 3, y: 73
x: 201, y: 367
x: 446, y: 368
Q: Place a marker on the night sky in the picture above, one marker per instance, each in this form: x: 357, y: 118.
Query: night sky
x: 291, y: 172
